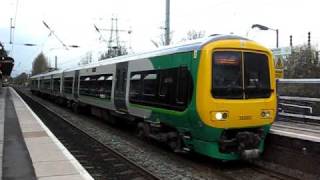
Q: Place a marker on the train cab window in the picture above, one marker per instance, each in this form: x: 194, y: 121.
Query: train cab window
x: 150, y: 84
x: 256, y: 75
x: 227, y: 75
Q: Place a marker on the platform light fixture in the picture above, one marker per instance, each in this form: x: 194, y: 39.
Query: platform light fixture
x: 265, y: 28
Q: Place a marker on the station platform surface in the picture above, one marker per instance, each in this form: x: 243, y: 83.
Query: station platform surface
x: 297, y: 130
x: 27, y: 147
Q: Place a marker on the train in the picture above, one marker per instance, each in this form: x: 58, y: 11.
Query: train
x: 214, y: 96
x: 6, y: 66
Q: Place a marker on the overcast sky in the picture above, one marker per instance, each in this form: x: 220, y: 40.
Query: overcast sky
x: 73, y: 20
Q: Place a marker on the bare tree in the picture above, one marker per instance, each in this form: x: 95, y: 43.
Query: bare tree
x: 162, y: 40
x: 21, y: 79
x: 303, y: 63
x: 40, y: 64
x: 193, y: 34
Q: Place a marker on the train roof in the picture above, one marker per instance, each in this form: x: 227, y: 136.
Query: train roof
x: 166, y: 50
x: 48, y: 73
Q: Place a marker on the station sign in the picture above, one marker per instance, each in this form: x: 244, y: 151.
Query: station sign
x: 279, y: 55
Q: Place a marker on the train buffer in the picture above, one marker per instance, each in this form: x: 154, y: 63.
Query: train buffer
x: 28, y: 149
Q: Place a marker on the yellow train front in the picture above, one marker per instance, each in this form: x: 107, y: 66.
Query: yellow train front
x: 235, y: 99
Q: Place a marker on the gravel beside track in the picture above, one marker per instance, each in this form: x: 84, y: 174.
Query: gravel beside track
x: 157, y: 158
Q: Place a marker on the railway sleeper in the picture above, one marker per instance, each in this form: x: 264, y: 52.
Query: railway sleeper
x: 104, y: 114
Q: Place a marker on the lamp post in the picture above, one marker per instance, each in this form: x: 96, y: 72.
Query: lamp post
x: 264, y: 28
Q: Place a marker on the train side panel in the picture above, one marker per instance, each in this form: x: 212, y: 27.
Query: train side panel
x: 96, y: 86
x: 161, y: 90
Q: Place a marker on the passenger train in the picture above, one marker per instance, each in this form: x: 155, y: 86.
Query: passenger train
x: 215, y: 96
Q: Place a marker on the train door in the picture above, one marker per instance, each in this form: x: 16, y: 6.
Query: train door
x: 76, y: 85
x: 120, y: 88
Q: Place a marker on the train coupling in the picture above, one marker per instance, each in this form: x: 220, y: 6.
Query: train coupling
x: 250, y: 154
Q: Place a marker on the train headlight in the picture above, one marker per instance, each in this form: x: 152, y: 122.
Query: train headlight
x: 266, y: 114
x: 220, y: 116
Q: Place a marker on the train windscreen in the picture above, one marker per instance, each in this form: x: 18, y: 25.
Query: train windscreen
x: 227, y: 70
x: 256, y: 76
x: 240, y: 75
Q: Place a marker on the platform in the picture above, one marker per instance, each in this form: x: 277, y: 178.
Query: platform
x: 27, y: 147
x: 297, y: 130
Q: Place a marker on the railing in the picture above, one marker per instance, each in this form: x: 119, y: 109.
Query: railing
x: 298, y: 81
x: 299, y: 107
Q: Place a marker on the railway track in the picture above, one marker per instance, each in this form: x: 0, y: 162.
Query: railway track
x: 157, y: 158
x: 98, y: 159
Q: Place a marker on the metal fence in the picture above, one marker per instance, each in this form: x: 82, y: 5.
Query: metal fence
x: 300, y: 108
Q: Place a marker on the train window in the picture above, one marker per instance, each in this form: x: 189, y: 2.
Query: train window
x: 150, y: 84
x: 67, y: 84
x: 101, y: 78
x: 94, y: 69
x: 96, y: 86
x: 84, y: 85
x: 100, y: 87
x: 92, y: 85
x: 109, y: 78
x: 182, y: 89
x: 227, y: 75
x: 108, y: 86
x: 166, y: 81
x: 56, y: 84
x: 256, y: 75
x: 135, y: 86
x: 46, y: 84
x: 163, y: 88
